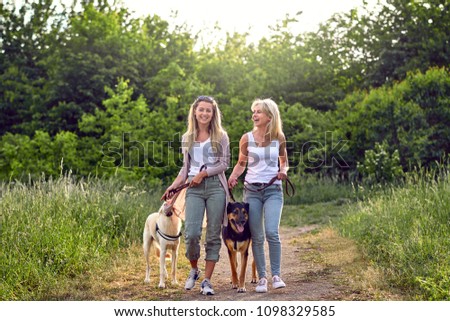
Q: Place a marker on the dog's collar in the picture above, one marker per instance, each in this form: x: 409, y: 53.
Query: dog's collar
x: 167, y: 237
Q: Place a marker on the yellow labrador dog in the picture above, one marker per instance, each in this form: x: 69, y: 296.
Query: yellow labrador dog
x: 162, y: 231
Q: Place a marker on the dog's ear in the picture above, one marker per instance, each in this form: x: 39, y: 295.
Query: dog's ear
x: 230, y: 207
x: 247, y: 207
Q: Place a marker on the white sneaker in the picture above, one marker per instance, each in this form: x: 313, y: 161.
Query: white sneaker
x: 277, y: 282
x: 206, y: 288
x: 262, y: 285
x: 193, y: 276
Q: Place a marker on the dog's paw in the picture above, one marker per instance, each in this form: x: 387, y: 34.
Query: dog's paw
x: 162, y: 285
x: 234, y: 286
x: 253, y: 281
x: 147, y: 280
x: 241, y: 290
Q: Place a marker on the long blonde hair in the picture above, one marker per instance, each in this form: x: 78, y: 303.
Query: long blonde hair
x: 215, y: 127
x: 270, y: 108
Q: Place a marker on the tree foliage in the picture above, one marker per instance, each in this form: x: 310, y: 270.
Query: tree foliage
x: 411, y: 116
x: 381, y: 45
x: 95, y: 89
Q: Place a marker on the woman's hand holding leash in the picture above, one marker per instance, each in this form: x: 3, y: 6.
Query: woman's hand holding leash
x: 198, y: 179
x: 232, y: 182
x: 167, y: 193
x: 176, y: 187
x: 281, y: 176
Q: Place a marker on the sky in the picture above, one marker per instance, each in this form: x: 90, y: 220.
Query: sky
x: 240, y: 16
x: 243, y: 15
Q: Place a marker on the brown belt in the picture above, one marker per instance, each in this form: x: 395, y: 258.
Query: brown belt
x: 289, y: 187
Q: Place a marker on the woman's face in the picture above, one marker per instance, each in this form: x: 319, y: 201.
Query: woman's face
x: 204, y: 112
x: 260, y: 119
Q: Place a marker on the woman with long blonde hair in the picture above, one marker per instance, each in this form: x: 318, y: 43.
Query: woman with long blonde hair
x: 263, y: 152
x: 206, y: 156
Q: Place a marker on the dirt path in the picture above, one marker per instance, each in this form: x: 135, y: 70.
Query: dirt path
x: 317, y: 265
x: 307, y: 279
x: 301, y: 284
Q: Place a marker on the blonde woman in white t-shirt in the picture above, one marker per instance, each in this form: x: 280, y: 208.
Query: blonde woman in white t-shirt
x: 263, y: 152
x: 204, y: 143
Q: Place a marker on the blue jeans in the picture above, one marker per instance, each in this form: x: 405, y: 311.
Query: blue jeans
x: 211, y: 196
x: 264, y: 219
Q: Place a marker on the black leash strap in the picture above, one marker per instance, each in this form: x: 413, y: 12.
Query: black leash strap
x: 287, y: 184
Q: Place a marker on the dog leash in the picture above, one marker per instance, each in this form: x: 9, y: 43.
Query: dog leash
x: 287, y: 181
x: 174, y: 191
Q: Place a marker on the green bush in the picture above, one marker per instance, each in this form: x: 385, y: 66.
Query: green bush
x: 380, y: 166
x: 41, y: 154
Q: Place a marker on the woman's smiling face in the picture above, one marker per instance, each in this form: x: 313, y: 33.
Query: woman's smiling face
x: 259, y: 117
x: 204, y: 112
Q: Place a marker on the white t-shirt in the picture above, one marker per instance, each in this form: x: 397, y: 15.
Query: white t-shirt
x: 262, y: 163
x: 201, y: 154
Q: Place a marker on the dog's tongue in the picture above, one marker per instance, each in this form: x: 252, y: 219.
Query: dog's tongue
x: 240, y: 228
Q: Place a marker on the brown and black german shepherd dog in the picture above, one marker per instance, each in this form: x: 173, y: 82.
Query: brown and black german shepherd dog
x: 237, y: 238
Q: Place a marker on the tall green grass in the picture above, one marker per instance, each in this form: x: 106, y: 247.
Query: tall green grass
x: 310, y: 189
x: 406, y: 232
x: 54, y: 230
